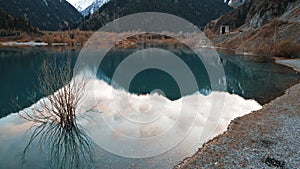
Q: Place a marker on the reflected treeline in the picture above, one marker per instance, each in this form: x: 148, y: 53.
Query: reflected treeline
x: 149, y: 79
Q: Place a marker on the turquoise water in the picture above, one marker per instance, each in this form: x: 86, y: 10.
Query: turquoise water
x: 19, y: 69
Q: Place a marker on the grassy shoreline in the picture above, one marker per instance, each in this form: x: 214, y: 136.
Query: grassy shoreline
x: 52, y: 38
x: 78, y: 38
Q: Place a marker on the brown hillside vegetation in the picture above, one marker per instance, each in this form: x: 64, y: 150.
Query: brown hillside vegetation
x: 70, y: 38
x: 272, y: 31
x: 276, y: 38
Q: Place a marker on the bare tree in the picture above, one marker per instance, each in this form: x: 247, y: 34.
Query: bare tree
x: 55, y: 117
x: 64, y: 95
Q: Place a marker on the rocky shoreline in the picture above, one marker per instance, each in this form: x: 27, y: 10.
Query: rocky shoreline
x: 268, y: 138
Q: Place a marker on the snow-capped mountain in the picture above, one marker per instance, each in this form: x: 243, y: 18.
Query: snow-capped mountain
x: 81, y: 5
x: 86, y: 7
x: 93, y: 7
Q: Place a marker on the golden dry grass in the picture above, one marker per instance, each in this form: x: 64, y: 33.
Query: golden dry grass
x: 70, y: 37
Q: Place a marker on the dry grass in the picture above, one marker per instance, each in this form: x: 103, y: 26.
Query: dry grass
x: 276, y: 38
x: 286, y: 48
x: 70, y: 37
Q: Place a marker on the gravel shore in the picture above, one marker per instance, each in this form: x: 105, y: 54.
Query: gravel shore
x: 268, y: 138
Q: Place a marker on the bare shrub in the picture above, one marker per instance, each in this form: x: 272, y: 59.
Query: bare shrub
x: 61, y: 103
x: 54, y: 118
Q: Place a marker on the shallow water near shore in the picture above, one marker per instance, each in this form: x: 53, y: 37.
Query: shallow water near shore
x: 250, y: 80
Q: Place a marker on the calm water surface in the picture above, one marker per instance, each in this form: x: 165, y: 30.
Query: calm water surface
x: 19, y: 69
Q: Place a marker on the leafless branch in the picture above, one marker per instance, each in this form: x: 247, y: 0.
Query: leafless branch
x: 55, y: 117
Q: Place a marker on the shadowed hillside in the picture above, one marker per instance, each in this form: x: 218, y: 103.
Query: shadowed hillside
x: 43, y: 14
x: 199, y: 12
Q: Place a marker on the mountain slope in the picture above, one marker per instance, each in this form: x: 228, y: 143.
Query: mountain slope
x: 8, y: 22
x: 199, y: 12
x: 97, y: 4
x: 80, y: 5
x: 43, y: 14
x: 269, y: 28
x: 86, y: 7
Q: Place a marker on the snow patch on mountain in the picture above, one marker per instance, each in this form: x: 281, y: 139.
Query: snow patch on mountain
x: 86, y: 7
x: 93, y: 7
x: 81, y: 5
